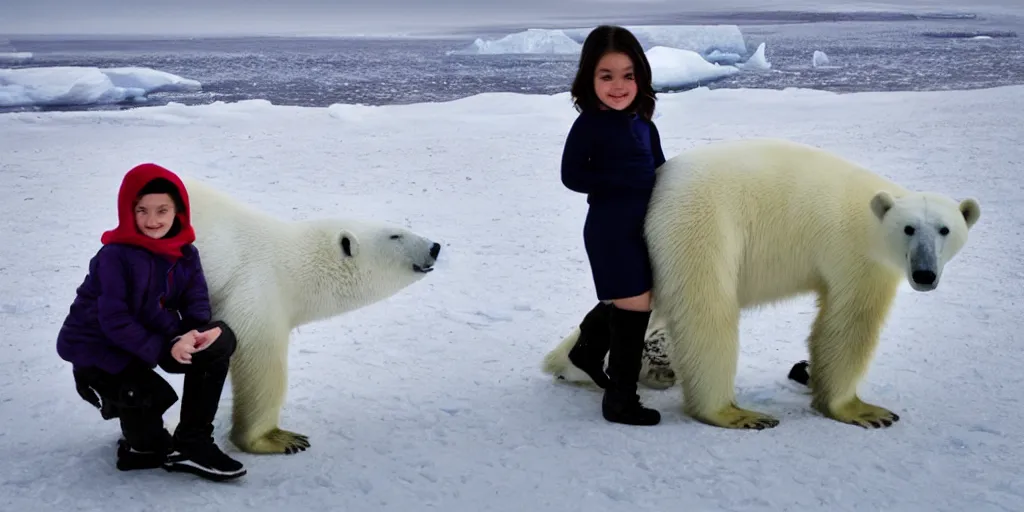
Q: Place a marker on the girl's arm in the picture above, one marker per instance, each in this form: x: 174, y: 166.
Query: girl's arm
x: 656, y: 150
x: 116, y: 320
x: 577, y: 173
x: 195, y: 301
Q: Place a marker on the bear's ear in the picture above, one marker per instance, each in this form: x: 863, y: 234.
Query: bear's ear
x: 971, y: 211
x: 882, y: 203
x: 349, y: 243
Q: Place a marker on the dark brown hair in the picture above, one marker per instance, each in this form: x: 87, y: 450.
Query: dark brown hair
x: 607, y: 39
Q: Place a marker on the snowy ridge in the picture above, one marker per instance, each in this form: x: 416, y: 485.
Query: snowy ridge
x: 703, y: 39
x: 433, y: 400
x: 14, y: 57
x: 10, y: 55
x: 69, y: 85
x: 530, y: 41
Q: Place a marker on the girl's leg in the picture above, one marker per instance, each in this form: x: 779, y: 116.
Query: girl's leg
x: 201, y: 392
x: 592, y: 345
x: 141, y: 397
x: 628, y: 325
x: 640, y: 303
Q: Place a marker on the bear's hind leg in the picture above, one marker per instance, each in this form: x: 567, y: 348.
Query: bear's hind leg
x: 259, y: 383
x: 842, y: 342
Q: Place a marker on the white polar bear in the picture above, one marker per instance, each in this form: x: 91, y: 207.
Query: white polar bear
x: 743, y: 224
x: 267, y: 276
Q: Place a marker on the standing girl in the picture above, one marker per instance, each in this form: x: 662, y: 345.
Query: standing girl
x: 144, y: 303
x: 610, y: 154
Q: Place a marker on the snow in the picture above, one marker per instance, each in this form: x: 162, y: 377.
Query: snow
x: 757, y: 61
x: 703, y: 39
x: 531, y: 41
x: 672, y: 68
x: 14, y: 57
x: 819, y: 59
x: 75, y: 85
x: 718, y: 57
x: 433, y: 399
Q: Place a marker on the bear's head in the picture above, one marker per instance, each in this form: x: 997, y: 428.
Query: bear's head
x: 922, y: 231
x: 361, y: 262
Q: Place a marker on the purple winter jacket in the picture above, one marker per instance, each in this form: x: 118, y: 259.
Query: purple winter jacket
x: 130, y: 305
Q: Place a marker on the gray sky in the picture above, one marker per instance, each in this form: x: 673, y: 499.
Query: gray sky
x: 354, y: 17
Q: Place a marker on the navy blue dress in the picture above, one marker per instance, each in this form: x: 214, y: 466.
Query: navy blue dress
x: 611, y: 156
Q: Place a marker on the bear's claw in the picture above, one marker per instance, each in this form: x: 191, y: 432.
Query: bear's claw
x: 279, y: 441
x: 863, y: 414
x: 734, y: 417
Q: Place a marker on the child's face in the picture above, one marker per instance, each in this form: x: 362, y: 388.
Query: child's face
x: 154, y: 215
x: 614, y: 81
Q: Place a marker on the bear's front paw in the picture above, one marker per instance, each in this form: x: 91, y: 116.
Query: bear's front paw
x: 280, y: 441
x: 863, y: 414
x: 734, y: 417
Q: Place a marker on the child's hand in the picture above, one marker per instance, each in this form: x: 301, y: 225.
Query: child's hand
x: 183, y: 349
x: 206, y: 338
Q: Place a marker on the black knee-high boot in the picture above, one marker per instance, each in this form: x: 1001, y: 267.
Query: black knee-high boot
x: 591, y: 347
x: 621, y: 404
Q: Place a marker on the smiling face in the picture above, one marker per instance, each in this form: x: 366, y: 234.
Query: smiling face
x: 154, y: 215
x: 614, y: 81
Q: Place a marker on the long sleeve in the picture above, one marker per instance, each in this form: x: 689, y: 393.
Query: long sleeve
x: 195, y: 310
x: 115, y: 319
x: 577, y: 171
x: 656, y: 149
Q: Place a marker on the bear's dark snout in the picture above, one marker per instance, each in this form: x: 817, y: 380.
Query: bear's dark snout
x: 923, y: 276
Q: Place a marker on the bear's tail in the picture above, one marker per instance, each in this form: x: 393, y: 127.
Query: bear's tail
x: 557, y: 364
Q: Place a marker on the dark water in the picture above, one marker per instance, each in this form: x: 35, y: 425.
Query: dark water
x: 867, y: 52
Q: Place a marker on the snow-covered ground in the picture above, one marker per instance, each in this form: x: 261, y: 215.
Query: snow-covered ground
x: 433, y: 399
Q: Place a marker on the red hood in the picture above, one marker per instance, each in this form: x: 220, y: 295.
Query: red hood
x: 127, y: 233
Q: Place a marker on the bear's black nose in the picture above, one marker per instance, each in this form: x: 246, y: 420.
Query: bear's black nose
x: 435, y: 250
x: 923, y: 276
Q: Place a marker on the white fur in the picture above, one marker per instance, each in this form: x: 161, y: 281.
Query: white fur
x: 267, y: 276
x: 743, y: 224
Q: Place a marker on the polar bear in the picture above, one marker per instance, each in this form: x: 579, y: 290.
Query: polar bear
x: 267, y: 276
x: 744, y: 224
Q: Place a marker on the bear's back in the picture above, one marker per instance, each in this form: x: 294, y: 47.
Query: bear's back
x: 792, y: 183
x: 233, y: 238
x: 780, y: 212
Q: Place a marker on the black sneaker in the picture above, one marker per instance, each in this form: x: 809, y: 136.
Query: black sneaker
x: 206, y: 461
x: 129, y: 458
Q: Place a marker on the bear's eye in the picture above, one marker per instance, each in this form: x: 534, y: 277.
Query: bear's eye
x: 909, y: 230
x: 396, y: 237
x: 943, y: 231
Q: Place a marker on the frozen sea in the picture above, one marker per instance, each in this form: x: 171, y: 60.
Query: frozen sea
x: 866, y: 51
